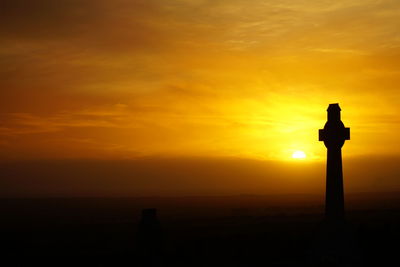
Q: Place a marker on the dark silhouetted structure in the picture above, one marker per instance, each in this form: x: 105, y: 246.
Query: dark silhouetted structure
x: 334, y: 135
x: 334, y: 243
x: 150, y: 239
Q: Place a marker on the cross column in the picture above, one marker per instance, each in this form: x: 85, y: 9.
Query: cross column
x: 334, y: 135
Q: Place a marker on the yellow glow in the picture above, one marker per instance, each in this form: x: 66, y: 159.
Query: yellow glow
x: 299, y: 154
x: 240, y: 84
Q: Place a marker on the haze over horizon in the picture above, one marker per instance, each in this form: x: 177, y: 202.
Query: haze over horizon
x: 194, y: 96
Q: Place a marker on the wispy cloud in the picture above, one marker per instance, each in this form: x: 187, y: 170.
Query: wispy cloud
x: 195, y: 76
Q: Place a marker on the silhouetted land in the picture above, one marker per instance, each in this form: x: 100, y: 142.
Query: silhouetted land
x: 197, y: 231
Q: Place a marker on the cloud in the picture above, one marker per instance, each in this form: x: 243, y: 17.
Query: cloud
x: 25, y: 123
x: 216, y: 77
x: 176, y: 176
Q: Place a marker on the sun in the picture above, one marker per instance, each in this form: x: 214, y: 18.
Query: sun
x: 298, y: 154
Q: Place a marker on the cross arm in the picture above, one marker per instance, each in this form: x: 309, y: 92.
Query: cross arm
x: 321, y: 135
x: 345, y: 134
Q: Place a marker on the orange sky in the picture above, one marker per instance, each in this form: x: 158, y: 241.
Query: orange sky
x: 99, y: 79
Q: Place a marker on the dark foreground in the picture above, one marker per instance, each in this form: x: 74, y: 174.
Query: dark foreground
x: 210, y: 231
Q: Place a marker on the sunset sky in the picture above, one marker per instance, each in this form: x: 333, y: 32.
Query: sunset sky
x: 205, y: 80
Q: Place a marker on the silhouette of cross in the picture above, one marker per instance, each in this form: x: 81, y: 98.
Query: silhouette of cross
x: 334, y: 133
